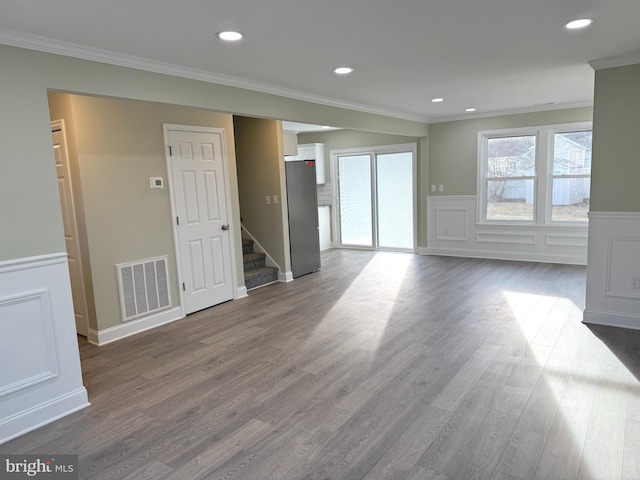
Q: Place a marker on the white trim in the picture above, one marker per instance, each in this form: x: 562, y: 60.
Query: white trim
x: 617, y: 61
x: 41, y: 389
x: 506, y: 237
x: 423, y: 251
x: 614, y: 263
x: 242, y: 292
x: 373, y: 151
x: 49, y: 45
x: 285, y: 277
x: 514, y: 111
x: 170, y: 127
x: 513, y: 256
x: 43, y: 414
x: 32, y: 262
x: 532, y: 243
x: 112, y: 334
x: 611, y: 319
x: 614, y: 215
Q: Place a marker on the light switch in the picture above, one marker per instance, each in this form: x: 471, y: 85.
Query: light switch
x: 267, y: 200
x: 275, y: 199
x: 433, y: 188
x: 441, y: 188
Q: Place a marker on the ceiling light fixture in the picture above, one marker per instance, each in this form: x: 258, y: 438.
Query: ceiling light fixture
x: 437, y: 100
x: 342, y: 70
x: 578, y: 24
x: 470, y: 109
x: 229, y: 36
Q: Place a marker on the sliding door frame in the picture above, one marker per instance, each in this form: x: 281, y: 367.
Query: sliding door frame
x: 373, y: 151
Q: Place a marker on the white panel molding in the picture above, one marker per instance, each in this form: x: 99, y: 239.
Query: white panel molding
x: 564, y: 240
x: 112, y: 334
x: 45, y: 382
x: 613, y: 269
x: 623, y: 265
x: 32, y: 312
x: 444, y: 214
x: 532, y: 243
x: 506, y: 237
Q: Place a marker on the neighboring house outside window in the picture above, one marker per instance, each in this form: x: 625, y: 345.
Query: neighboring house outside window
x: 538, y: 175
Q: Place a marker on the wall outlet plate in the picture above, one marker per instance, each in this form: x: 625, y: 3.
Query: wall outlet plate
x: 156, y: 182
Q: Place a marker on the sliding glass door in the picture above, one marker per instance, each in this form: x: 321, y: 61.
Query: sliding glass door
x: 376, y: 198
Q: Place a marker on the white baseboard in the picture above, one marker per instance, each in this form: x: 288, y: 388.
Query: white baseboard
x: 285, y: 277
x: 241, y: 292
x: 611, y: 319
x: 423, y: 251
x: 43, y: 414
x: 513, y: 256
x: 108, y: 335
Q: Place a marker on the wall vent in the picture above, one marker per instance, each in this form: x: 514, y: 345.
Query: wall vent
x: 144, y: 287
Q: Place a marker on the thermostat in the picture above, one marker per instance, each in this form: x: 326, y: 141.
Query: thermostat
x: 156, y: 182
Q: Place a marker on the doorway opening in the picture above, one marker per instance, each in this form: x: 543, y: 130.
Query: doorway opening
x: 376, y: 197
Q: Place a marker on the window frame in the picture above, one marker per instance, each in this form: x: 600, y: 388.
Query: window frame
x: 542, y: 178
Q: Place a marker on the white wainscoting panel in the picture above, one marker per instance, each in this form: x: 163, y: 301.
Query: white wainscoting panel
x: 40, y: 376
x: 613, y: 271
x: 452, y: 230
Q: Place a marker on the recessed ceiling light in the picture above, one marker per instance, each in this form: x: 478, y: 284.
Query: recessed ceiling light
x: 342, y: 70
x: 437, y: 100
x: 470, y: 109
x: 579, y: 23
x: 229, y: 36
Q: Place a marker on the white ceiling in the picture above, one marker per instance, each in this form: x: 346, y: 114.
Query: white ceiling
x: 494, y: 55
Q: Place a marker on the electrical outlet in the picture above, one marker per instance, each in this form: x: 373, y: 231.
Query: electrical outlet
x: 441, y: 188
x: 267, y: 200
x: 433, y: 188
x: 275, y: 199
x: 635, y: 283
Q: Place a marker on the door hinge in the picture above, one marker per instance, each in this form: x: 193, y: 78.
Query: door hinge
x: 177, y: 220
x: 184, y: 288
x: 170, y: 151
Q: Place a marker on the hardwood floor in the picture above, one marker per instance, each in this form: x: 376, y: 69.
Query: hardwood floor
x: 380, y: 366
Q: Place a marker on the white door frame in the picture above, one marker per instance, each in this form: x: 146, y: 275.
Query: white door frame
x: 176, y: 240
x: 335, y: 181
x: 55, y: 125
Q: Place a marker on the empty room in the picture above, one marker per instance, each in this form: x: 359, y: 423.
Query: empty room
x: 312, y: 241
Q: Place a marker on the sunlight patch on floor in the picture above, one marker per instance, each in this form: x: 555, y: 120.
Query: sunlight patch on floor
x: 583, y: 379
x: 368, y: 305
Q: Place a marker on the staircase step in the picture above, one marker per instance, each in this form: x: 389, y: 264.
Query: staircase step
x: 253, y: 260
x: 260, y: 276
x: 247, y: 245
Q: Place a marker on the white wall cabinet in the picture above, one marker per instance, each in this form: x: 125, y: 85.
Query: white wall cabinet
x: 313, y: 151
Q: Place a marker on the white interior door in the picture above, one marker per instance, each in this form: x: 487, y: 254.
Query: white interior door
x: 201, y: 203
x: 70, y: 227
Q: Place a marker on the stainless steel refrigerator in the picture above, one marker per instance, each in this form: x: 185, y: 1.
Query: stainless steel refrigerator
x: 303, y: 216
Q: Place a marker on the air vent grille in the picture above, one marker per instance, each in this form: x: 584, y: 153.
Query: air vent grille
x: 144, y: 287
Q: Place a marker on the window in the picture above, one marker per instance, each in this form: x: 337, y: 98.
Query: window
x: 538, y: 175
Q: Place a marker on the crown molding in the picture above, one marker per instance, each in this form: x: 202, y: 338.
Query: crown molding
x: 618, y: 61
x: 68, y: 49
x: 514, y: 111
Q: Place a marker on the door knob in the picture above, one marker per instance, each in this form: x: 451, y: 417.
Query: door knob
x: 225, y: 227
